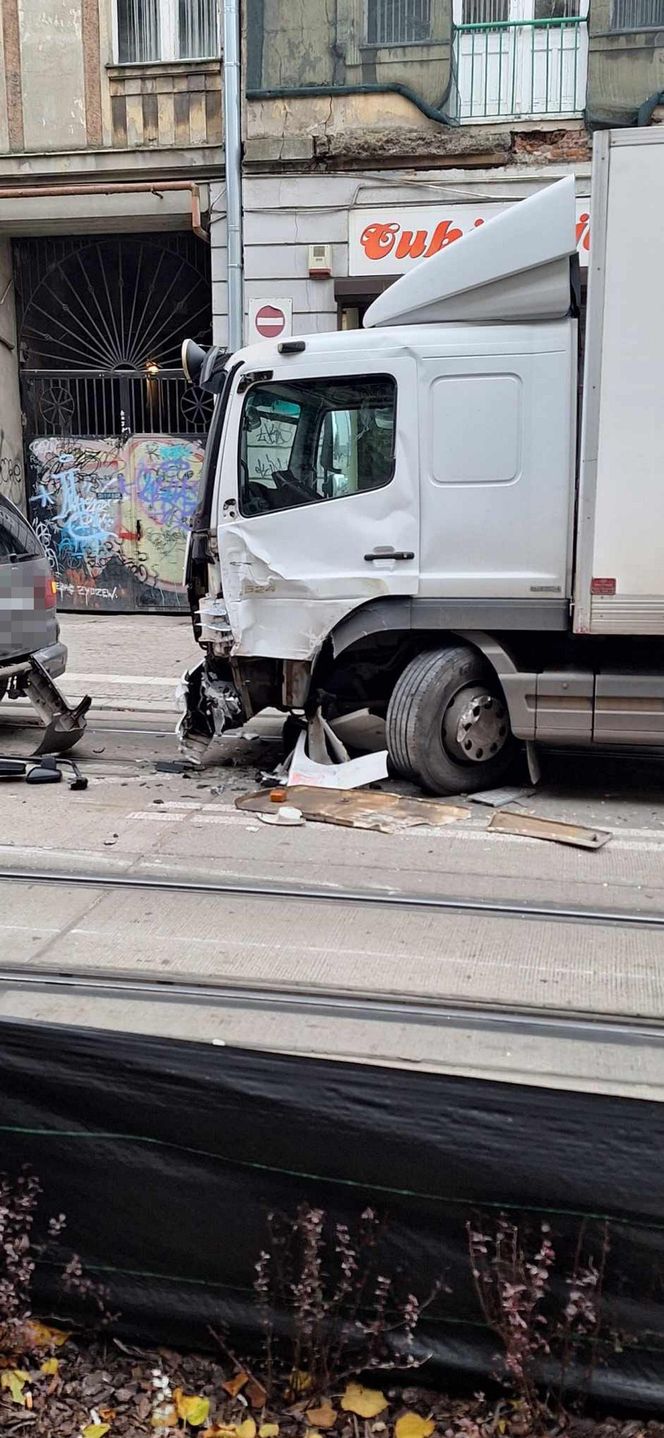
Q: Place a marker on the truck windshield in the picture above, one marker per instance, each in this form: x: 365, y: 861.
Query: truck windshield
x: 305, y: 441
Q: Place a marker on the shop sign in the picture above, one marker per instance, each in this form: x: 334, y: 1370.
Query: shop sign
x: 389, y: 240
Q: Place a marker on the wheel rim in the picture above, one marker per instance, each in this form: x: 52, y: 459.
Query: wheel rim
x: 475, y: 725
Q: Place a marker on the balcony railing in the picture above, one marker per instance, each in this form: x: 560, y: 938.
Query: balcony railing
x: 521, y: 69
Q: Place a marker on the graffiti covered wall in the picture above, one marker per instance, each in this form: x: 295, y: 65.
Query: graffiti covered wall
x: 114, y: 518
x: 11, y: 473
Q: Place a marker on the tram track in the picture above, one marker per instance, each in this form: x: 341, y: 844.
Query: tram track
x: 233, y: 888
x: 327, y: 1001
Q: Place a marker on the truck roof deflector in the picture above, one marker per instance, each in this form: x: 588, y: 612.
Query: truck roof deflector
x: 515, y: 267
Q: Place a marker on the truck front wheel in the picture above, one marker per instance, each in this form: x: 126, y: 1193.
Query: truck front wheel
x: 447, y: 722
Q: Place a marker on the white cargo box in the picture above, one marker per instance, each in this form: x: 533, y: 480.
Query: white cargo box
x: 619, y: 585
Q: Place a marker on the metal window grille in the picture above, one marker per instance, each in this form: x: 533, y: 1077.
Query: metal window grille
x: 89, y: 405
x: 101, y: 321
x: 485, y: 12
x: 557, y: 9
x: 398, y: 22
x: 637, y: 15
x: 150, y: 30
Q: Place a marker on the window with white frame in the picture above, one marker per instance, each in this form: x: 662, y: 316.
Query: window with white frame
x: 151, y: 30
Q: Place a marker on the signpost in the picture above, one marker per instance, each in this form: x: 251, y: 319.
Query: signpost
x: 270, y: 319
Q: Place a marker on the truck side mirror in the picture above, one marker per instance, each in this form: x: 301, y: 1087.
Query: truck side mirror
x: 204, y: 368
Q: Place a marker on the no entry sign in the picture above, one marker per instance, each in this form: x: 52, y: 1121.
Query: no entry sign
x: 270, y: 319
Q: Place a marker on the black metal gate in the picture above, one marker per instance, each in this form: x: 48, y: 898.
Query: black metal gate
x: 114, y: 436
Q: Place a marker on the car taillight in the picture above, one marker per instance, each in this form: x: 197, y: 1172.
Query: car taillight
x: 46, y: 592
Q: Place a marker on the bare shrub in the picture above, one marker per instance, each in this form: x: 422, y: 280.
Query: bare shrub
x: 326, y: 1307
x: 539, y: 1331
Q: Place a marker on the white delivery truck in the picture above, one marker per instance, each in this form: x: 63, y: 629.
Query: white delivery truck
x: 423, y: 518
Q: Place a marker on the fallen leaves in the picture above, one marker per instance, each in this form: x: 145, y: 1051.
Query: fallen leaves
x: 96, y: 1430
x: 40, y: 1335
x: 14, y: 1381
x: 412, y: 1425
x: 299, y: 1382
x: 268, y: 1430
x: 247, y: 1429
x: 325, y: 1416
x: 365, y: 1402
x: 193, y: 1409
x: 234, y: 1385
x: 256, y: 1393
x: 50, y: 1367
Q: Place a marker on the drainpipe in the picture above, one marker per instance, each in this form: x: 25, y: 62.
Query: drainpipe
x: 233, y: 162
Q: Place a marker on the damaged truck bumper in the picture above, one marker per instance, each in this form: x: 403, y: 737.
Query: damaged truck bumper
x: 212, y: 710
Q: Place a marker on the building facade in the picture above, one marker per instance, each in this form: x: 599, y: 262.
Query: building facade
x: 110, y: 135
x: 375, y: 132
x: 378, y: 131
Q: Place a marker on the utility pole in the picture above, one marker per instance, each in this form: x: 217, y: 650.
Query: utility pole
x: 232, y: 78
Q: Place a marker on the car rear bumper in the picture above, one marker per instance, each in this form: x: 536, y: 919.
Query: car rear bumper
x: 53, y: 659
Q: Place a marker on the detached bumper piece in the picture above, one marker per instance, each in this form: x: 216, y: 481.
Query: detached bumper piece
x: 48, y: 770
x: 64, y: 725
x: 212, y: 711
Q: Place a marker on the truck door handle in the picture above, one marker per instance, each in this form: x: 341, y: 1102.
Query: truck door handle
x: 390, y: 554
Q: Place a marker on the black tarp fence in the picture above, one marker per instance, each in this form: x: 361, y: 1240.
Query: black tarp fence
x: 166, y: 1156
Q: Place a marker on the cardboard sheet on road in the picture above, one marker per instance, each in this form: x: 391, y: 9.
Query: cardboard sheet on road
x: 359, y: 809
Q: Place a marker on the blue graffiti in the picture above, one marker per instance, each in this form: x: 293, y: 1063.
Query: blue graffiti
x: 163, y: 484
x: 82, y: 518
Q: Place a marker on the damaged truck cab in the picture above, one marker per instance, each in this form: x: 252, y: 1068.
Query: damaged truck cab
x: 387, y: 518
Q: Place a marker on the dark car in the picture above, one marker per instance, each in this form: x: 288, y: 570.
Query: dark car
x: 28, y: 616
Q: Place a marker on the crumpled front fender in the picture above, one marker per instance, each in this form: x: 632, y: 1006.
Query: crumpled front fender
x: 212, y: 709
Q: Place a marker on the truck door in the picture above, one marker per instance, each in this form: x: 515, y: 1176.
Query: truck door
x: 498, y: 466
x: 318, y: 502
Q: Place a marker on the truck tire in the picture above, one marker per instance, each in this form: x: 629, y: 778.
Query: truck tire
x: 447, y: 723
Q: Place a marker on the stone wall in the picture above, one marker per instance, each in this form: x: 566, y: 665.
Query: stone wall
x: 624, y: 68
x: 165, y: 105
x: 60, y: 91
x: 294, y: 43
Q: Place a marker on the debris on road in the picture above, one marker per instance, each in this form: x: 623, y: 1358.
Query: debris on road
x: 286, y: 815
x: 275, y: 777
x: 334, y: 774
x: 500, y: 798
x: 554, y: 830
x: 373, y: 809
x: 47, y: 769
